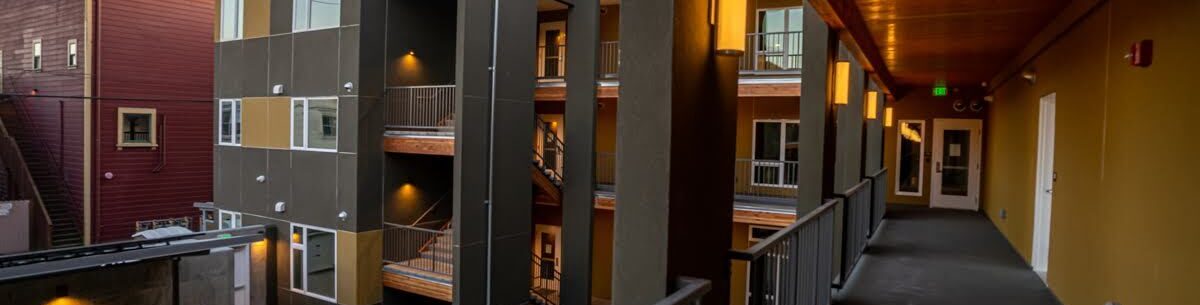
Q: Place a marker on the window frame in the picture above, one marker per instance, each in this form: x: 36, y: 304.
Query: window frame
x: 236, y: 123
x: 309, y: 27
x: 72, y: 54
x: 122, y: 111
x: 36, y: 64
x: 305, y: 129
x: 781, y: 164
x: 240, y: 21
x: 758, y: 13
x: 303, y: 247
x: 234, y: 217
x: 920, y: 163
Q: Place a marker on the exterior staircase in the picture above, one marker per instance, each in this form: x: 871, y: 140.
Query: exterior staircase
x: 47, y: 177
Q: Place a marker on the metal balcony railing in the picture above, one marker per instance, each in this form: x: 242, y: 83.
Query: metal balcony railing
x: 551, y: 61
x: 856, y: 226
x: 772, y: 52
x: 752, y: 178
x: 690, y: 292
x: 794, y: 265
x: 419, y: 248
x: 425, y: 108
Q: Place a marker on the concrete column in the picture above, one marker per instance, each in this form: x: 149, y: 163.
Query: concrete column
x: 873, y: 135
x: 583, y: 28
x: 814, y: 97
x: 675, y: 151
x: 848, y: 165
x: 511, y: 89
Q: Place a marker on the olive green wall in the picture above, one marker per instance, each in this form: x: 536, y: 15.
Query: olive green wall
x: 1123, y: 207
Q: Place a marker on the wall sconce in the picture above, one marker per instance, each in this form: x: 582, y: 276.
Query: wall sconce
x: 887, y: 117
x: 872, y: 106
x: 731, y: 26
x: 411, y: 53
x: 1029, y: 76
x: 841, y: 88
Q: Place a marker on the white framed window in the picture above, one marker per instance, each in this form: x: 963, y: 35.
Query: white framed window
x: 314, y: 262
x: 232, y: 14
x: 314, y: 123
x: 37, y: 55
x: 776, y: 153
x: 72, y: 53
x: 316, y: 14
x: 229, y: 220
x: 910, y: 154
x: 137, y: 126
x: 229, y: 118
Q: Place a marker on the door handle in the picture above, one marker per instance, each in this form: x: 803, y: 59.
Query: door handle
x: 1049, y: 191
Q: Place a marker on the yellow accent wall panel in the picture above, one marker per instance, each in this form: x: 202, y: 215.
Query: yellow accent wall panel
x: 360, y: 279
x: 266, y: 122
x: 279, y: 132
x: 257, y: 18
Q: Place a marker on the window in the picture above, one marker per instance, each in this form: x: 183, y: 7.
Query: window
x: 314, y: 262
x: 37, y: 54
x: 316, y: 14
x: 777, y: 46
x: 137, y: 127
x: 229, y: 130
x: 910, y: 171
x: 314, y: 123
x: 230, y: 220
x: 776, y: 153
x: 231, y: 19
x: 72, y: 53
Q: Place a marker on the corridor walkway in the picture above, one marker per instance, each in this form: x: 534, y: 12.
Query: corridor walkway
x: 931, y: 256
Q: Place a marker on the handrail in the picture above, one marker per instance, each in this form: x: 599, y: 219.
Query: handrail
x: 10, y: 153
x: 759, y: 249
x: 394, y: 225
x: 691, y: 291
x: 878, y: 173
x: 430, y: 209
x: 853, y: 189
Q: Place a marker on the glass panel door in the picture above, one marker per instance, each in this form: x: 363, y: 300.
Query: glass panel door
x: 956, y: 163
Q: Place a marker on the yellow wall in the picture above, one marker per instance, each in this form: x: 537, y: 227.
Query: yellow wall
x: 1122, y: 226
x: 602, y: 254
x: 360, y: 279
x: 257, y: 18
x: 266, y: 122
x: 919, y: 105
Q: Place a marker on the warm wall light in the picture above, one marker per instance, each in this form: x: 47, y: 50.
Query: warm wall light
x: 841, y: 77
x: 872, y: 104
x: 887, y: 117
x: 731, y: 27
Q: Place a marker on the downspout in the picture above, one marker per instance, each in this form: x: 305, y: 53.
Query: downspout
x: 491, y: 146
x: 91, y: 39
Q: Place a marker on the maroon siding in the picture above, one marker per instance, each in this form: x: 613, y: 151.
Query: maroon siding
x: 59, y: 130
x: 154, y: 49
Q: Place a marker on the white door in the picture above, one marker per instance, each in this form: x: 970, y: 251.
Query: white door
x: 956, y: 163
x: 1044, y: 189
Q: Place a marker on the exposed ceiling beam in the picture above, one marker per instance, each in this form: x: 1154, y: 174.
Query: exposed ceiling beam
x: 845, y: 17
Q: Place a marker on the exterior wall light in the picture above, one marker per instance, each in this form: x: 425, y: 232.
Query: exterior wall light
x: 841, y: 77
x: 872, y: 104
x: 887, y: 117
x: 731, y: 27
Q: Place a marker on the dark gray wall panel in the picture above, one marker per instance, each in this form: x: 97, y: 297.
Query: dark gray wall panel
x: 281, y: 16
x: 347, y: 192
x: 370, y: 163
x: 254, y: 69
x: 229, y: 70
x: 315, y: 66
x: 228, y: 187
x: 372, y: 43
x: 348, y: 117
x: 432, y: 46
x: 255, y: 196
x: 348, y: 60
x: 314, y: 189
x: 279, y: 178
x: 351, y: 10
x: 281, y: 63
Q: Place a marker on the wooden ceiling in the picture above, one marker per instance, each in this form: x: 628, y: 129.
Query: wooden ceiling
x: 958, y: 42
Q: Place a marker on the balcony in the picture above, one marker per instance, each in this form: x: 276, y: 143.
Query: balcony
x: 767, y: 54
x: 756, y: 182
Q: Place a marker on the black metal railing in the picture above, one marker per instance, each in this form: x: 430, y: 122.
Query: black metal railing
x: 794, y: 265
x: 772, y: 52
x: 420, y: 108
x: 856, y: 225
x: 878, y: 198
x: 419, y: 248
x: 547, y: 281
x: 765, y: 178
x: 610, y: 59
x: 690, y: 292
x: 548, y: 151
x: 551, y: 61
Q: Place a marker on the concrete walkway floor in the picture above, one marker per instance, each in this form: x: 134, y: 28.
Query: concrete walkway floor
x: 932, y: 256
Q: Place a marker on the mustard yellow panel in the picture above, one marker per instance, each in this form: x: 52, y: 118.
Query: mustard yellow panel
x: 255, y: 117
x: 360, y: 280
x: 278, y: 126
x: 257, y: 18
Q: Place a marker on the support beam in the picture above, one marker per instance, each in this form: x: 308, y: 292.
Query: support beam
x: 849, y: 127
x: 493, y: 162
x: 676, y: 134
x: 583, y: 28
x: 812, y: 112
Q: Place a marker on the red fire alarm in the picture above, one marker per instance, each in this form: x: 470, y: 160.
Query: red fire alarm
x: 1141, y: 54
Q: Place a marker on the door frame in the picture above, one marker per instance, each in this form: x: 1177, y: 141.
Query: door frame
x: 1044, y: 184
x: 936, y: 200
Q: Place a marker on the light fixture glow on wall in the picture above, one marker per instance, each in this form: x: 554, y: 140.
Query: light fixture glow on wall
x: 731, y: 27
x: 841, y: 77
x: 872, y: 104
x: 887, y: 117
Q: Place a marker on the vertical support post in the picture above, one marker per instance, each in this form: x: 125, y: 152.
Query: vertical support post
x: 675, y: 141
x: 583, y: 28
x: 812, y: 111
x: 493, y: 198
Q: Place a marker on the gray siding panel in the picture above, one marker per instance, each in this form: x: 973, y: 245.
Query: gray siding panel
x: 314, y: 188
x: 229, y: 70
x: 315, y: 66
x: 254, y: 67
x: 254, y: 194
x: 280, y: 67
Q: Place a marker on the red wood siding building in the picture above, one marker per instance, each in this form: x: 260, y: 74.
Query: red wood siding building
x: 154, y: 54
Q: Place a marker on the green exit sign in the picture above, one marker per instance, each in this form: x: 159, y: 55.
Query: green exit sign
x: 940, y: 91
